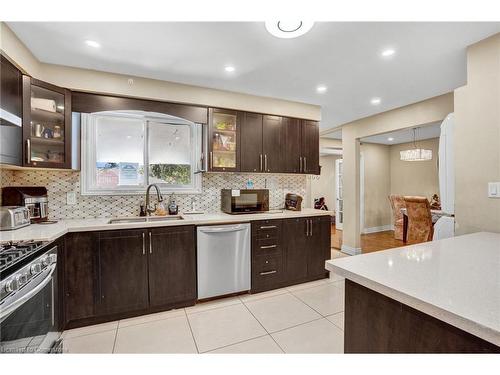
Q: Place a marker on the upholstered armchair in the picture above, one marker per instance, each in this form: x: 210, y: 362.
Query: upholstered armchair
x: 420, y: 227
x: 397, y: 203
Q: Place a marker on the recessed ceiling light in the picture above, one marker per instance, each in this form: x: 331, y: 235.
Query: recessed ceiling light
x: 388, y: 52
x: 321, y: 88
x: 229, y: 69
x: 375, y: 101
x: 92, y: 43
x: 288, y: 29
x: 390, y: 139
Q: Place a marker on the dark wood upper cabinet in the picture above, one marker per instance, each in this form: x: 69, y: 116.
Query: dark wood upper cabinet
x: 172, y: 265
x: 272, y: 138
x: 251, y: 143
x: 292, y: 145
x: 310, y: 147
x: 123, y: 271
x: 11, y: 97
x: 46, y: 125
x: 224, y: 140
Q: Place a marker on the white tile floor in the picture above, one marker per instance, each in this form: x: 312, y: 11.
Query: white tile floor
x: 306, y: 318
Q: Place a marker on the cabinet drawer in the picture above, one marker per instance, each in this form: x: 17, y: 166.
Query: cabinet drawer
x: 265, y: 229
x: 267, y: 273
x: 266, y: 247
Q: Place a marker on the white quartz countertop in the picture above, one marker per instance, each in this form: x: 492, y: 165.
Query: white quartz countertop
x: 456, y: 280
x: 50, y: 232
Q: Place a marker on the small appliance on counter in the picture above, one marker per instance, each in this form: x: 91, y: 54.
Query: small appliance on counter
x: 34, y: 198
x: 244, y: 201
x: 293, y: 202
x: 13, y: 217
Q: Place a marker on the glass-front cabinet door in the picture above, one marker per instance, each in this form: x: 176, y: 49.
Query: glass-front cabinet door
x: 223, y: 140
x: 46, y: 125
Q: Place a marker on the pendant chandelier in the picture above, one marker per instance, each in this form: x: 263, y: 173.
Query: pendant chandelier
x: 415, y: 153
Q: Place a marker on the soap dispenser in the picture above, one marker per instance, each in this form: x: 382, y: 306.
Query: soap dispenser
x: 173, y: 209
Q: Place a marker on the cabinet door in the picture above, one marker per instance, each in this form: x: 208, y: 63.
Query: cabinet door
x: 79, y: 281
x: 224, y: 140
x: 310, y: 147
x: 318, y: 246
x: 172, y: 265
x: 295, y: 245
x: 46, y: 125
x: 272, y: 138
x: 292, y: 151
x: 123, y: 271
x: 251, y: 143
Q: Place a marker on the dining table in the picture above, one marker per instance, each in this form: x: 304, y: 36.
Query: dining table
x: 435, y: 214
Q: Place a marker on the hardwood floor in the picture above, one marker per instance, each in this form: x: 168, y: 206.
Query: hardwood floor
x: 369, y: 242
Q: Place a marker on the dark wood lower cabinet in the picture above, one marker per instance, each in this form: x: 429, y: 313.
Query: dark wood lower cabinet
x: 375, y: 323
x: 289, y: 251
x: 112, y: 275
x: 172, y: 265
x: 123, y: 271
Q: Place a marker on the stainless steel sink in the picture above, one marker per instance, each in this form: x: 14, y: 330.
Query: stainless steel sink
x: 144, y: 219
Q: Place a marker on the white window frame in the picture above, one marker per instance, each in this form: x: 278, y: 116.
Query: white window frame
x: 88, y: 181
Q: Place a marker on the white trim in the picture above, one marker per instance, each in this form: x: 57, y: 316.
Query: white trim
x: 361, y: 190
x: 350, y: 250
x: 10, y: 117
x: 382, y: 228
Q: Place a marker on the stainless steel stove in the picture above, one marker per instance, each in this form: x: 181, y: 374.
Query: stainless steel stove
x: 28, y: 298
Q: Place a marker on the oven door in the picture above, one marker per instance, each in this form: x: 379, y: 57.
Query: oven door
x: 28, y: 319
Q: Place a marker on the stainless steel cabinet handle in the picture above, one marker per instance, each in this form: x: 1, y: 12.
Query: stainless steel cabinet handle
x: 267, y: 272
x: 143, y: 244
x: 307, y: 228
x: 311, y: 230
x: 28, y: 151
x: 268, y: 247
x: 260, y: 162
x: 305, y: 164
x: 265, y: 164
x: 211, y: 159
x: 150, y: 244
x: 268, y: 226
x: 300, y: 160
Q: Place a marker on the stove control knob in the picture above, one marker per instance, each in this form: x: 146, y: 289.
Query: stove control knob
x: 45, y: 261
x: 12, y: 285
x: 52, y: 258
x: 35, y: 268
x: 23, y: 278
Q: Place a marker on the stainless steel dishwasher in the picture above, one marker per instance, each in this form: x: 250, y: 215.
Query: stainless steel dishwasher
x: 223, y: 260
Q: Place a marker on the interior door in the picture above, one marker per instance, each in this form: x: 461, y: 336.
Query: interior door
x: 292, y: 151
x: 272, y: 138
x: 123, y: 271
x: 339, y: 202
x: 172, y: 265
x: 296, y: 257
x: 251, y: 143
x: 310, y: 147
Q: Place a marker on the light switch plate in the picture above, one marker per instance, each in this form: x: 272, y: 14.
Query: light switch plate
x: 493, y: 189
x: 71, y: 197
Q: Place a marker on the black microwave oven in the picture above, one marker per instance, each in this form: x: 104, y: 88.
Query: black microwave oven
x: 242, y: 201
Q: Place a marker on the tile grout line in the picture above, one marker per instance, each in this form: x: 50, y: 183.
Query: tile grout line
x: 235, y: 343
x: 305, y: 303
x: 114, y: 342
x: 213, y: 308
x: 191, y: 330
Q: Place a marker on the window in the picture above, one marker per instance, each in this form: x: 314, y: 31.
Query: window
x: 123, y: 152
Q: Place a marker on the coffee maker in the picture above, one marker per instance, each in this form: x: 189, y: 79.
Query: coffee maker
x: 293, y: 202
x: 34, y: 198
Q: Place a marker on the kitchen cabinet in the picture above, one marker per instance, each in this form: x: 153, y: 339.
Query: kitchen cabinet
x: 123, y: 271
x: 10, y: 88
x: 289, y: 251
x: 261, y: 137
x: 301, y: 146
x: 111, y: 275
x: 224, y: 140
x: 310, y: 147
x: 172, y: 265
x: 46, y: 125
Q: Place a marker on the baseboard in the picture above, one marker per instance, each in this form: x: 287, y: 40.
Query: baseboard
x: 351, y: 250
x: 382, y: 228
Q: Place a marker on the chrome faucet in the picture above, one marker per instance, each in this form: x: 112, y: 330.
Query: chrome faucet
x: 150, y: 210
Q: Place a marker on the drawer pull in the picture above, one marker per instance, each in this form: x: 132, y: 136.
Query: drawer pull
x: 268, y: 247
x: 268, y: 227
x: 267, y: 273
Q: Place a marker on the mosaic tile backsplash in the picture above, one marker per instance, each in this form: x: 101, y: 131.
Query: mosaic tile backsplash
x: 58, y: 183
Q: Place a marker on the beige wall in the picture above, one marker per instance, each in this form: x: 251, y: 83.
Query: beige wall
x: 102, y: 82
x: 477, y: 139
x: 415, y: 178
x: 427, y: 111
x: 324, y: 185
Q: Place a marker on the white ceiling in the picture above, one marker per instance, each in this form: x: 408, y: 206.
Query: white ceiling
x: 430, y: 58
x: 428, y: 131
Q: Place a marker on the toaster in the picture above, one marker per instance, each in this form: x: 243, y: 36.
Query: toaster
x: 14, y: 217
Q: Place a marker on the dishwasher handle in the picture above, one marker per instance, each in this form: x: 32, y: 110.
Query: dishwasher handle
x: 235, y: 228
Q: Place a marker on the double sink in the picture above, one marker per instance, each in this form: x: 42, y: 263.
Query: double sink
x: 144, y: 219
